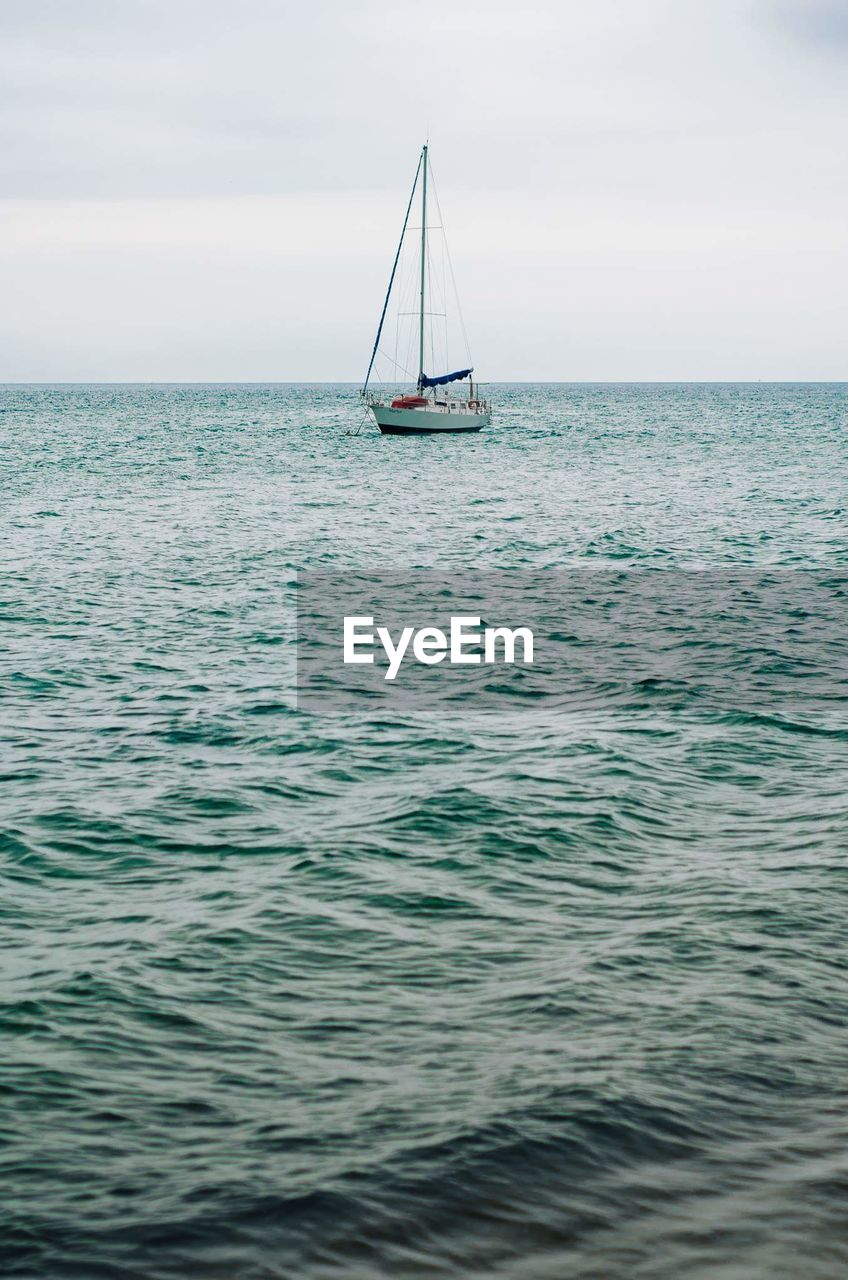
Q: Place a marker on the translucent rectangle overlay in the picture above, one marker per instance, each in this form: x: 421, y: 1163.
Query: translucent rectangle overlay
x: 767, y: 641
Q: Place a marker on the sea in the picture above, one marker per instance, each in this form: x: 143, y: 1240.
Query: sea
x: 338, y: 991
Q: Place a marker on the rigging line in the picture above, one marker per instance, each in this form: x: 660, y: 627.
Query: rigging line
x: 405, y: 292
x: 450, y: 265
x: 359, y: 427
x: 386, y: 356
x: 459, y: 306
x: 395, y: 363
x: 397, y: 342
x: 392, y: 276
x: 430, y: 314
x: 444, y: 297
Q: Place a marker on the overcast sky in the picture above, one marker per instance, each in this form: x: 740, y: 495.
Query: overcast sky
x: 633, y: 189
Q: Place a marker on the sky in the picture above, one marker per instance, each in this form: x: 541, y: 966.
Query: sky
x: 205, y: 190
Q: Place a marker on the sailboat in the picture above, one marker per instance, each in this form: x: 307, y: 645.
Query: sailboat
x: 432, y: 407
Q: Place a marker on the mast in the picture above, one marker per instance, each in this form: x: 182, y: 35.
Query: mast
x: 423, y: 266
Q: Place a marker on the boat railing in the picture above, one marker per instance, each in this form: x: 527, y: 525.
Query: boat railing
x: 476, y: 405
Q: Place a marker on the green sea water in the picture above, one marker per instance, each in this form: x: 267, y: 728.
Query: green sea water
x: 293, y: 993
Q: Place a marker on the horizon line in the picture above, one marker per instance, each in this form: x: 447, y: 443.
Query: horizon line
x: 345, y: 382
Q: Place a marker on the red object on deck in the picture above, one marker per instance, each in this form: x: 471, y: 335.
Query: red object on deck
x: 409, y: 402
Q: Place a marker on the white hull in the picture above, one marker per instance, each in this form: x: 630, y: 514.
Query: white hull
x: 426, y: 421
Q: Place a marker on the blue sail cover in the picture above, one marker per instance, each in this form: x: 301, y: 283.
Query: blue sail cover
x: 446, y: 377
